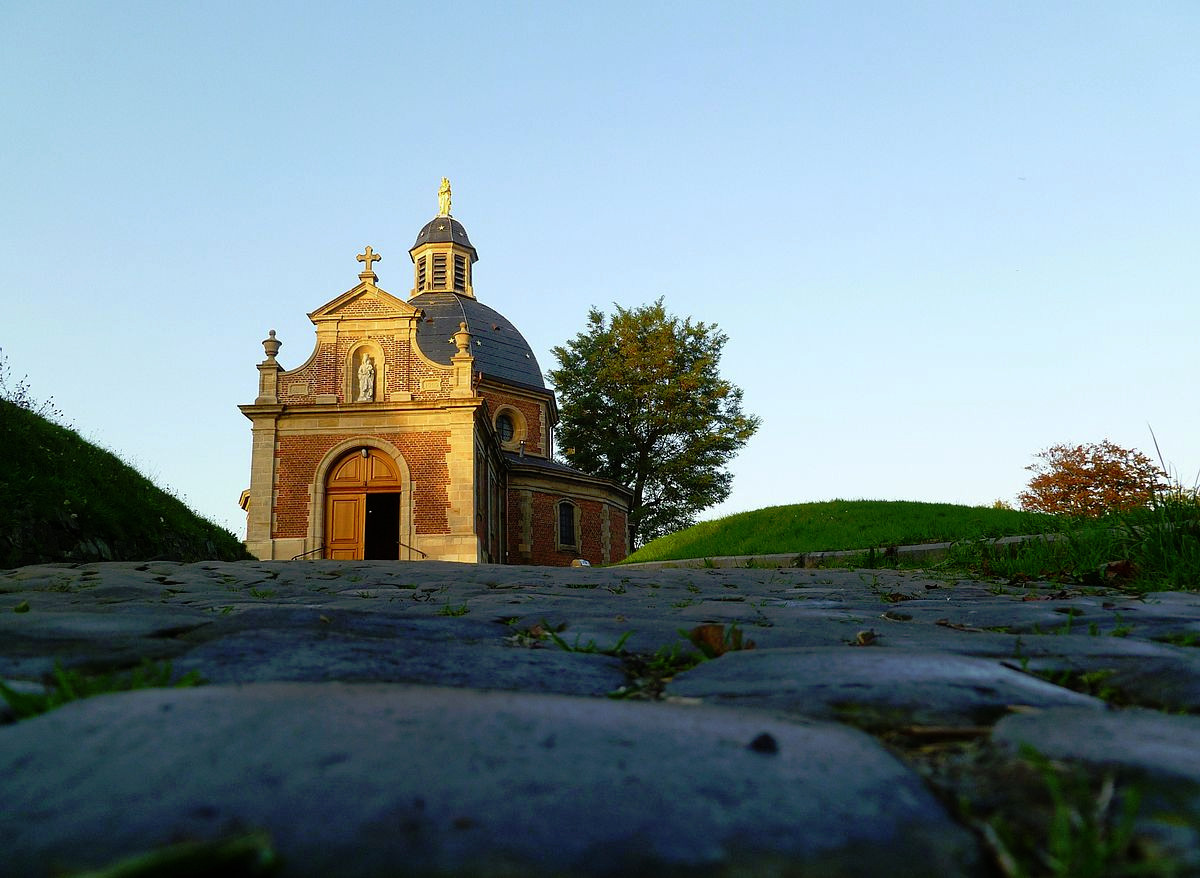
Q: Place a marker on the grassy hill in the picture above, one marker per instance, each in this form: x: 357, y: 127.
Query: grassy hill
x: 1151, y: 548
x: 837, y: 525
x: 64, y: 499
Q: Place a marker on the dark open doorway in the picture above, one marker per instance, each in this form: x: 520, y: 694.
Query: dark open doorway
x: 382, y: 530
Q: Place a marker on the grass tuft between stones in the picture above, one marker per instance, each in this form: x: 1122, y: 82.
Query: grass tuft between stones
x: 67, y: 685
x: 241, y: 856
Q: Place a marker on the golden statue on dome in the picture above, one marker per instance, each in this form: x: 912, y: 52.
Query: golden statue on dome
x: 444, y: 198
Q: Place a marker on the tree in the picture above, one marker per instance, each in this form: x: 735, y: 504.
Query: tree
x: 642, y: 404
x: 1092, y: 480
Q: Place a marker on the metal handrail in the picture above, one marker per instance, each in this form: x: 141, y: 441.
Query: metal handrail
x: 413, y: 549
x: 322, y: 549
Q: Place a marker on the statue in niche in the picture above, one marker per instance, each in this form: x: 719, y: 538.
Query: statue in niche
x: 366, y: 380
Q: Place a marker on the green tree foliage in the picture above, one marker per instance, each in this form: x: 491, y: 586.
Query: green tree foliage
x: 1092, y: 480
x: 642, y: 403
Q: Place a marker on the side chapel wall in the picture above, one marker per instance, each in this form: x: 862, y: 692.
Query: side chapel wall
x: 532, y: 411
x: 533, y: 523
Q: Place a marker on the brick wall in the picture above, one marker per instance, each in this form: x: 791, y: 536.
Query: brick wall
x: 321, y: 374
x: 297, y: 458
x: 530, y: 410
x: 618, y: 523
x: 543, y: 544
x: 515, y: 521
x: 402, y: 370
x: 365, y: 305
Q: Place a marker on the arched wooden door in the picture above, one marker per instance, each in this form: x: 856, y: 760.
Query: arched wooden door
x: 362, y: 507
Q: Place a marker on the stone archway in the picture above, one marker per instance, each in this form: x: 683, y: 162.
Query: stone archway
x: 365, y: 507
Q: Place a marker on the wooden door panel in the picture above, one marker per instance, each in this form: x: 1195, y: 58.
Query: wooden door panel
x: 344, y: 527
x: 347, y: 488
x: 381, y: 471
x: 350, y: 473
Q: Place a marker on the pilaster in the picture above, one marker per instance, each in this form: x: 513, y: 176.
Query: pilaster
x: 605, y: 534
x: 262, y: 488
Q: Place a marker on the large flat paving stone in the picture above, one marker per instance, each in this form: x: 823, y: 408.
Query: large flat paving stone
x: 311, y: 646
x: 910, y: 685
x: 82, y: 624
x: 366, y: 780
x: 1151, y: 742
x: 31, y: 643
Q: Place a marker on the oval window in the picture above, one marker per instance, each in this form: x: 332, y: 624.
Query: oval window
x: 504, y: 428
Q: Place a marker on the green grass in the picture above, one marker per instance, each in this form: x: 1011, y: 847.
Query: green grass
x: 64, y: 499
x: 1161, y: 546
x: 243, y: 854
x: 1148, y: 549
x: 71, y: 685
x: 1077, y: 828
x: 839, y: 525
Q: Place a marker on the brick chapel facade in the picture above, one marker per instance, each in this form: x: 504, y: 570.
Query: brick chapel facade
x: 419, y: 428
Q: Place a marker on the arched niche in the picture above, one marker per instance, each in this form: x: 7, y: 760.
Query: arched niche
x: 365, y: 368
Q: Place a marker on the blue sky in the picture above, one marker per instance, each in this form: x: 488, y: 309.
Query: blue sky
x: 940, y: 236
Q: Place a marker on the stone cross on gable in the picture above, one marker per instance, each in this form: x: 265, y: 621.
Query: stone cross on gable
x: 368, y: 257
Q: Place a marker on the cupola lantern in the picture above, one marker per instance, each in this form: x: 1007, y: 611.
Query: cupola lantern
x: 442, y: 256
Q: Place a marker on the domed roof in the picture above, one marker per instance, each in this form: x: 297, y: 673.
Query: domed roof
x: 441, y: 230
x: 500, y: 351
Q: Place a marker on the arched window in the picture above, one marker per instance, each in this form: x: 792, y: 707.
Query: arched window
x: 568, y: 525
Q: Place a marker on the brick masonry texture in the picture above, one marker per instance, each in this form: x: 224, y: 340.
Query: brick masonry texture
x: 365, y: 306
x: 298, y: 457
x: 531, y: 411
x: 544, y: 514
x: 327, y: 371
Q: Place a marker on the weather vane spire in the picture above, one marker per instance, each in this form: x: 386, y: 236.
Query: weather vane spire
x: 444, y: 198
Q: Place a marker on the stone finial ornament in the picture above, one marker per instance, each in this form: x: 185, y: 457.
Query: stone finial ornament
x: 462, y: 339
x: 368, y: 257
x: 444, y: 198
x: 271, y: 345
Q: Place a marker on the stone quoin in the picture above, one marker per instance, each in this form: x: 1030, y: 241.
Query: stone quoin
x: 419, y: 428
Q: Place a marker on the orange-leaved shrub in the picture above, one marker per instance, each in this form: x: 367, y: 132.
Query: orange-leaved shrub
x: 1092, y: 480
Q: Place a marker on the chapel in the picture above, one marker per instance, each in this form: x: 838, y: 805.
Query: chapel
x: 419, y: 428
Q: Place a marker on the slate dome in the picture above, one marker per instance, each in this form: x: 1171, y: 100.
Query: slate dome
x: 499, y: 349
x: 444, y: 229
